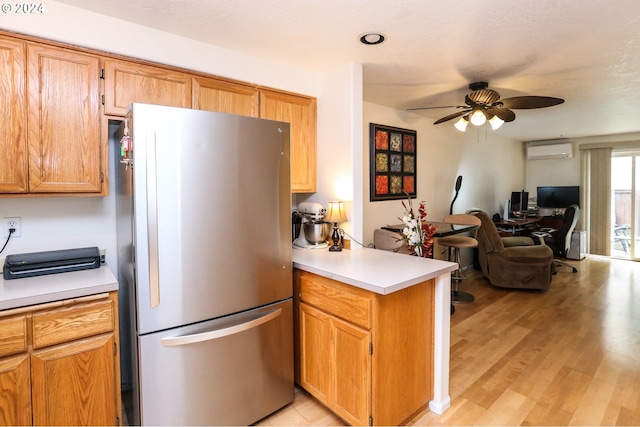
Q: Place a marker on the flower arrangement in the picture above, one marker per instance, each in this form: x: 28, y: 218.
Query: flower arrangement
x: 418, y: 234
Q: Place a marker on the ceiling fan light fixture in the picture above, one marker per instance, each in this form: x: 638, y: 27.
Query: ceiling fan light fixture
x: 478, y: 118
x: 461, y: 124
x: 495, y: 122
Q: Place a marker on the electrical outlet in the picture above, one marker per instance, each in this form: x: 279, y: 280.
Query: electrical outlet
x: 8, y: 223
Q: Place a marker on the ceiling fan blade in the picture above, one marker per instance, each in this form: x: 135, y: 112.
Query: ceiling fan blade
x: 484, y: 96
x: 502, y: 113
x: 433, y: 108
x: 451, y: 116
x: 529, y: 102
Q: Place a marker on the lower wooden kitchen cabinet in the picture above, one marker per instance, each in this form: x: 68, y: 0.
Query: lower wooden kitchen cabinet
x: 336, y: 347
x: 366, y: 356
x: 59, y: 363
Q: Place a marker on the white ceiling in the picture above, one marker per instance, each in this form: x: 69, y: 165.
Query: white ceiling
x: 585, y: 51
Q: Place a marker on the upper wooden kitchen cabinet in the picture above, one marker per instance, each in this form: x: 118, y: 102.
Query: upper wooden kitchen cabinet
x: 53, y: 117
x: 300, y: 112
x: 127, y: 82
x: 13, y: 110
x: 225, y: 97
x: 66, y: 154
x: 51, y: 110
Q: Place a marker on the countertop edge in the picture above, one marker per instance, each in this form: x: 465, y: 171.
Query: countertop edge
x: 29, y: 291
x: 316, y: 262
x: 57, y: 296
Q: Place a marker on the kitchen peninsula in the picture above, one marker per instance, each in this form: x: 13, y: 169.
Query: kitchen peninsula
x: 372, y: 333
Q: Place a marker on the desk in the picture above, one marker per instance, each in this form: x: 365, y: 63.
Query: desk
x: 517, y: 226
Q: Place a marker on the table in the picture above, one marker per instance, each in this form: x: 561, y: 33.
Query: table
x: 516, y: 225
x: 442, y: 228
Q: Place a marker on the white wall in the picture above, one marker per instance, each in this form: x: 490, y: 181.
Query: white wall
x: 491, y: 167
x: 552, y: 172
x: 339, y: 145
x: 55, y: 223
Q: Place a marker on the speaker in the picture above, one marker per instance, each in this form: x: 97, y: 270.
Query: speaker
x: 507, y: 209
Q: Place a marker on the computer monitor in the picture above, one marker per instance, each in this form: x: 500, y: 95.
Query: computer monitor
x: 519, y: 201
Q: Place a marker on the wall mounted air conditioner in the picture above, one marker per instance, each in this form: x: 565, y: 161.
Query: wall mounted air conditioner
x: 562, y: 150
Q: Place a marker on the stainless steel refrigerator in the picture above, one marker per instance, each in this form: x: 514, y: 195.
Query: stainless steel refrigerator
x: 204, y: 260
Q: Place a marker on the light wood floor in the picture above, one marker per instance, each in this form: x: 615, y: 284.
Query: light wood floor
x: 566, y: 356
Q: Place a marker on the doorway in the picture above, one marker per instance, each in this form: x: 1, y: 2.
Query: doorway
x: 625, y: 205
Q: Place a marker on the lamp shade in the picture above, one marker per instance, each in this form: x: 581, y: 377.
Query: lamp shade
x: 478, y: 118
x: 335, y: 212
x: 461, y: 124
x: 495, y: 122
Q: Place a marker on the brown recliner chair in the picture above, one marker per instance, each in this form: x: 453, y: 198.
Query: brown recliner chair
x: 512, y: 262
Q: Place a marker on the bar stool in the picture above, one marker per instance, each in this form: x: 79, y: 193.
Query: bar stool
x: 455, y: 243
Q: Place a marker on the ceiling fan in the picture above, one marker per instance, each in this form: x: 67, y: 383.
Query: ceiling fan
x: 483, y: 104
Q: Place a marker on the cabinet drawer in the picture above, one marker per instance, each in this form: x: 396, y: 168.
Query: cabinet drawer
x: 343, y: 301
x: 13, y: 335
x: 73, y: 322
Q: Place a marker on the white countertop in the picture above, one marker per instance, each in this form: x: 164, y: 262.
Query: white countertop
x: 55, y: 287
x: 375, y: 270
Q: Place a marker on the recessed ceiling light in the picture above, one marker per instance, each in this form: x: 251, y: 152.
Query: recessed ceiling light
x: 371, y: 38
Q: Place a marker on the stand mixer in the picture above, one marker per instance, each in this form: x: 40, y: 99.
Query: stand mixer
x: 317, y: 229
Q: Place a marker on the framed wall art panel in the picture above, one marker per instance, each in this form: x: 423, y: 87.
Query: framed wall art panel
x: 393, y: 162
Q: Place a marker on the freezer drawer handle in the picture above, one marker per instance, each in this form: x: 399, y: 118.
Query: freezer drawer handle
x: 219, y: 333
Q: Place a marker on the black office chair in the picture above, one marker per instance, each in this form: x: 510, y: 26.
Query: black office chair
x: 560, y: 240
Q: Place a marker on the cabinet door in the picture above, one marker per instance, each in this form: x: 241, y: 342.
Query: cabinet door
x: 74, y: 384
x: 225, y: 97
x: 300, y: 112
x: 15, y: 399
x: 352, y: 370
x: 315, y: 358
x: 335, y: 364
x: 126, y: 82
x: 13, y: 110
x: 63, y: 121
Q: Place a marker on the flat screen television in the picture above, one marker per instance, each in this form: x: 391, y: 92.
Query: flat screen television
x: 558, y: 197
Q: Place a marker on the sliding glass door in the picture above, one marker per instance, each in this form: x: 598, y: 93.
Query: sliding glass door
x: 625, y: 204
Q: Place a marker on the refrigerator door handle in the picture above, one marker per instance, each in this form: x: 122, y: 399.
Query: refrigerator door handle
x: 152, y: 223
x: 220, y: 333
